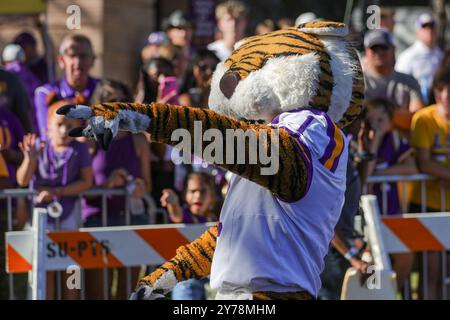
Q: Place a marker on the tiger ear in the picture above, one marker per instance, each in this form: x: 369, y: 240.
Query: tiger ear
x: 324, y: 28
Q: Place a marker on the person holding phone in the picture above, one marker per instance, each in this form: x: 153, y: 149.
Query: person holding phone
x: 168, y: 90
x: 153, y: 85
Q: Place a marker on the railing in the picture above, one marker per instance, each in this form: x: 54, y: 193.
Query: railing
x: 10, y: 194
x: 152, y: 212
x: 420, y: 178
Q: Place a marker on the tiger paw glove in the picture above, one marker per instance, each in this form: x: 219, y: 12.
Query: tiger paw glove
x: 145, y: 292
x: 191, y: 261
x: 105, y: 120
x: 161, y: 286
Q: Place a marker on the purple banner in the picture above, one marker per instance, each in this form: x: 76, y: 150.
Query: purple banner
x: 203, y: 16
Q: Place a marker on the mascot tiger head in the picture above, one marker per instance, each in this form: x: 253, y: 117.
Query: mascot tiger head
x: 312, y: 65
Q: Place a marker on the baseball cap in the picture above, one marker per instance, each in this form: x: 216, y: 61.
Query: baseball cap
x: 13, y: 52
x: 177, y: 19
x: 424, y: 19
x: 305, y: 17
x: 158, y: 37
x: 378, y: 37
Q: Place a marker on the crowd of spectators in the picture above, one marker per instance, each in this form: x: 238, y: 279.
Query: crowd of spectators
x: 404, y: 129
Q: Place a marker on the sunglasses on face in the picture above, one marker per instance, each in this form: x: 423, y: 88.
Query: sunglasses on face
x: 428, y: 25
x: 204, y: 66
x: 379, y: 47
x: 81, y: 56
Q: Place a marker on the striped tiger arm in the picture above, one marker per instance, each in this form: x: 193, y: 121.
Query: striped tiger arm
x: 191, y: 261
x: 289, y: 183
x: 291, y: 178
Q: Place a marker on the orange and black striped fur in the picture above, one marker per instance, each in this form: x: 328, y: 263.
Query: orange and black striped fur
x: 288, y: 183
x: 194, y: 260
x: 256, y: 51
x: 191, y: 261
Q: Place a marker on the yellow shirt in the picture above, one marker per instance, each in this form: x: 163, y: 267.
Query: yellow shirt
x: 4, y: 143
x: 3, y: 168
x: 430, y: 131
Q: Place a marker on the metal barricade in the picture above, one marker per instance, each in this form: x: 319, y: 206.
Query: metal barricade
x: 152, y: 212
x: 419, y: 178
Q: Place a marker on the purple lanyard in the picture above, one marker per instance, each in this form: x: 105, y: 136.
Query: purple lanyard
x: 52, y: 165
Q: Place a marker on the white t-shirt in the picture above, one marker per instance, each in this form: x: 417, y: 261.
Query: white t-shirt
x: 218, y: 47
x: 268, y: 244
x: 422, y: 63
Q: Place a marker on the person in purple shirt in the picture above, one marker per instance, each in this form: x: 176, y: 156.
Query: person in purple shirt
x: 59, y: 170
x: 392, y: 156
x: 392, y: 152
x: 13, y: 97
x: 199, y: 198
x: 76, y: 58
x: 12, y: 132
x: 13, y: 59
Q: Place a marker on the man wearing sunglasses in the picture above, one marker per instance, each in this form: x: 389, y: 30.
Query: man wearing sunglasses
x: 76, y: 59
x: 382, y: 81
x: 423, y: 58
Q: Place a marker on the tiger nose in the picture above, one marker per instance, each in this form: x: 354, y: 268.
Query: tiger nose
x: 228, y: 84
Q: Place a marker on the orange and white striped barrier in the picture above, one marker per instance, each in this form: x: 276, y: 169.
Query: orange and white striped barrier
x: 111, y: 247
x: 416, y: 232
x: 107, y: 247
x: 412, y: 232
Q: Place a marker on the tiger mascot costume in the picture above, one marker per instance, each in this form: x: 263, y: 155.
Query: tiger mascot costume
x: 306, y: 84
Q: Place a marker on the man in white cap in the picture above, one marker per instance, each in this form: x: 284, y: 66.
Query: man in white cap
x: 423, y: 58
x: 13, y: 57
x: 305, y: 17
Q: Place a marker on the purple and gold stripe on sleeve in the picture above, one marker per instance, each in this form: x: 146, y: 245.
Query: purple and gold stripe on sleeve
x: 333, y: 151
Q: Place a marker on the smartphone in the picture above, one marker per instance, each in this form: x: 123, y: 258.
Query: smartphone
x: 169, y: 86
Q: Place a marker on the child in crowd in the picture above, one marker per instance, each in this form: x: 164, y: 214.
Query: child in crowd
x: 194, y: 93
x: 199, y: 197
x: 392, y: 155
x: 198, y: 207
x: 59, y: 170
x: 126, y: 164
x: 197, y: 82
